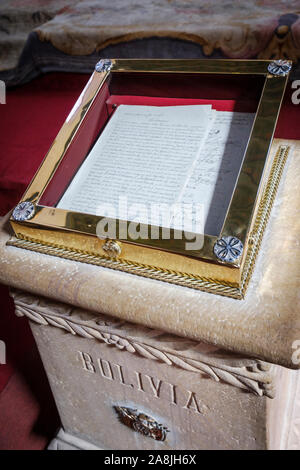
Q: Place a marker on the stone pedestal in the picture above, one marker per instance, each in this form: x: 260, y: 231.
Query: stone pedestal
x: 119, y: 386
x: 135, y: 363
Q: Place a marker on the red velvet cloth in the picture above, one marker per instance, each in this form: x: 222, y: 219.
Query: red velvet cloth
x: 28, y: 416
x: 29, y: 121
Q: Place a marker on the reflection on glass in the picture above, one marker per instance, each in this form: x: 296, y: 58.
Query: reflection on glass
x: 177, y: 142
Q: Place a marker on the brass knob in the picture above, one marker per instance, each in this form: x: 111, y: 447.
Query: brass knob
x: 111, y: 248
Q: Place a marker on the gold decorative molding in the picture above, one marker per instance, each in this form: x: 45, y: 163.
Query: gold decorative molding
x: 281, y: 45
x: 143, y: 270
x: 249, y: 374
x: 259, y: 34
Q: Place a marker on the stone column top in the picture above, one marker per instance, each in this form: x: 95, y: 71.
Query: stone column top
x: 265, y: 325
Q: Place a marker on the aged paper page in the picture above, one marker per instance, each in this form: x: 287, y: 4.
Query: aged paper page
x: 144, y: 153
x: 216, y: 169
x: 163, y: 155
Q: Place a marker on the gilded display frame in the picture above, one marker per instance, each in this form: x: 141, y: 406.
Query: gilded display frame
x: 50, y: 228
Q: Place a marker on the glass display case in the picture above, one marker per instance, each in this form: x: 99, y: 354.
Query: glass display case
x: 161, y: 170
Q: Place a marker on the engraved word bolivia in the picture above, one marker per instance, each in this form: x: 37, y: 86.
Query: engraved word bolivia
x: 143, y: 383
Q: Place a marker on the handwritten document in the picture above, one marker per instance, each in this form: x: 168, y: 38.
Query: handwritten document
x: 162, y: 155
x: 216, y: 169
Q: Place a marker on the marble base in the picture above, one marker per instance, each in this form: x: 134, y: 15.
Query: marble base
x: 119, y: 386
x: 65, y: 441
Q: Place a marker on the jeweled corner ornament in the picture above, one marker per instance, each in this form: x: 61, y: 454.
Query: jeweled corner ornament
x: 23, y: 211
x: 228, y: 249
x: 104, y: 65
x: 141, y: 423
x: 280, y: 67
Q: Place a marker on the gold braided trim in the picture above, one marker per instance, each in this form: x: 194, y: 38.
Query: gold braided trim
x: 178, y: 278
x: 263, y: 214
x: 152, y: 272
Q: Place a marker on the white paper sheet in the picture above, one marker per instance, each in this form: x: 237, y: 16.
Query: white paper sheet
x: 162, y: 155
x: 216, y: 169
x: 144, y: 153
